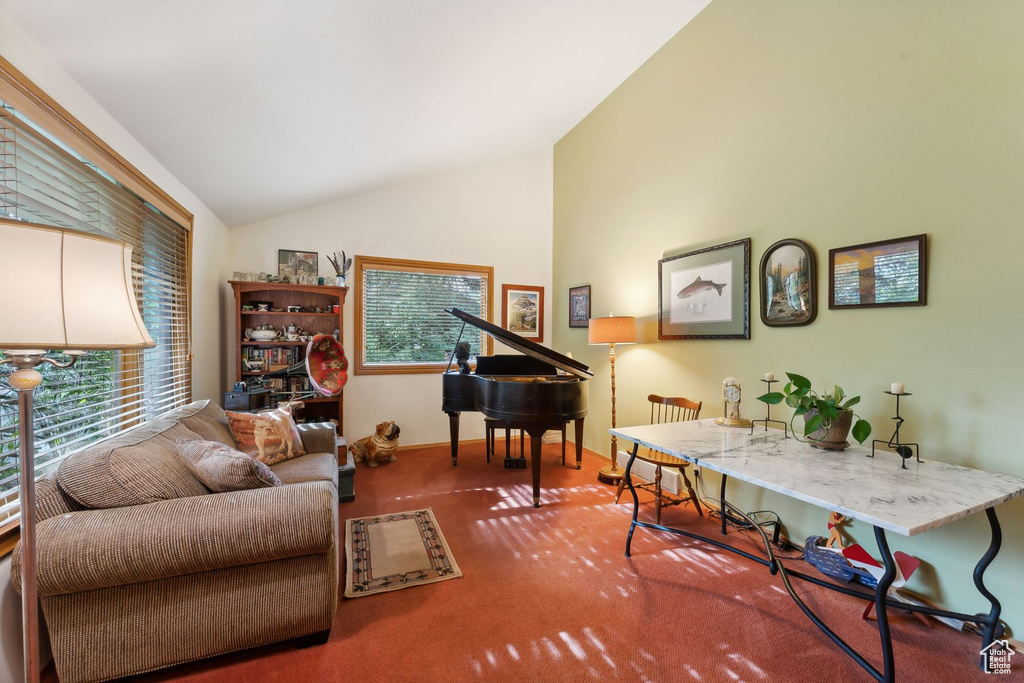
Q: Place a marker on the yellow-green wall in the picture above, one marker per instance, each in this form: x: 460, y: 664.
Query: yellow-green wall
x: 837, y: 123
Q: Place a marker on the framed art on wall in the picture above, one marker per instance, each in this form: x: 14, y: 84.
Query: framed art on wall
x: 878, y: 274
x: 292, y: 263
x: 789, y: 291
x: 522, y: 311
x: 705, y: 294
x: 579, y: 306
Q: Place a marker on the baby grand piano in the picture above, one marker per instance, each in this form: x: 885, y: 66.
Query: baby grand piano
x: 525, y: 391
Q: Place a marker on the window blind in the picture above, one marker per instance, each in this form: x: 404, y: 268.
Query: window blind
x: 402, y: 325
x: 42, y: 181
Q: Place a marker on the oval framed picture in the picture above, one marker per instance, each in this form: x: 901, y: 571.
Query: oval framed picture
x: 789, y: 287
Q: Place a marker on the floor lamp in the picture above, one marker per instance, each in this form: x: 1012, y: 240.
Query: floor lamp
x: 63, y: 291
x: 615, y: 329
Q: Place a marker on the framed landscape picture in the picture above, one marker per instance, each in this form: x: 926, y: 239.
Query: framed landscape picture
x: 292, y: 263
x: 789, y: 291
x: 579, y: 306
x: 878, y: 274
x: 705, y: 294
x: 522, y: 311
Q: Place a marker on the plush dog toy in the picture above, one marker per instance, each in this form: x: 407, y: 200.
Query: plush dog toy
x: 383, y: 443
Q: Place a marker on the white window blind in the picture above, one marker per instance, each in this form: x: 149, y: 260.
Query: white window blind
x: 44, y: 182
x: 401, y: 324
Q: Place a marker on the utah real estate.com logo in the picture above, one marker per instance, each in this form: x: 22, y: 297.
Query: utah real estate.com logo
x: 995, y: 659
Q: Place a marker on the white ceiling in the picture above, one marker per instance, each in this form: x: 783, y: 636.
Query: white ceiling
x: 263, y: 107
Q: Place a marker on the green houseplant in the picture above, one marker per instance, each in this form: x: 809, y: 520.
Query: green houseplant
x: 824, y: 414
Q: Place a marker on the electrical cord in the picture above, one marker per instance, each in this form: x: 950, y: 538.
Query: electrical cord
x: 747, y: 526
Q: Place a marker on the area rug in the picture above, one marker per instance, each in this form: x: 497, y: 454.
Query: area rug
x: 389, y: 552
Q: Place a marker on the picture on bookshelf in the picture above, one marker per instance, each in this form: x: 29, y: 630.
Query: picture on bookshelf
x: 292, y: 263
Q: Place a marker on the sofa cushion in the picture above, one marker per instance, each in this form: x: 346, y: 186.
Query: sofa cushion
x: 222, y: 468
x: 51, y: 500
x: 205, y: 418
x: 138, y: 466
x: 312, y: 467
x: 270, y: 437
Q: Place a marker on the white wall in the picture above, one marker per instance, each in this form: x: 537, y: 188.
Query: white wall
x: 209, y: 244
x: 495, y: 215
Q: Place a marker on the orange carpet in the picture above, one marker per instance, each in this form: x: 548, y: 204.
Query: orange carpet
x: 548, y: 596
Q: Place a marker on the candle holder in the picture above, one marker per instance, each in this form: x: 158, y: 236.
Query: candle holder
x: 768, y: 414
x: 903, y: 450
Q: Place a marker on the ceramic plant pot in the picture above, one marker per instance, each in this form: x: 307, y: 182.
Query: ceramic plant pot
x: 833, y: 438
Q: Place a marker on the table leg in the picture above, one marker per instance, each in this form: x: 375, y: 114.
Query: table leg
x: 992, y: 622
x: 636, y: 501
x: 881, y: 609
x: 721, y: 501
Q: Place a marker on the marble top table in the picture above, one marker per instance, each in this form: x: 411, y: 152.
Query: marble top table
x: 873, y: 490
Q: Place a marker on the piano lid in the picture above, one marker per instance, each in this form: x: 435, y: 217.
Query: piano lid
x: 532, y: 349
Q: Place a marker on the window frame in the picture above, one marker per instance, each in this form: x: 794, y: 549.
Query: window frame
x: 364, y: 263
x: 44, y: 112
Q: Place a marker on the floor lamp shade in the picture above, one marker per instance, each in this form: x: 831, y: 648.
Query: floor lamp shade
x: 615, y: 329
x: 67, y: 290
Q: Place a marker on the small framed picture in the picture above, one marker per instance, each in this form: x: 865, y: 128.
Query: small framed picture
x: 263, y: 306
x: 579, y: 306
x: 522, y: 310
x: 295, y: 264
x: 705, y: 294
x: 295, y: 309
x: 878, y: 274
x: 789, y: 291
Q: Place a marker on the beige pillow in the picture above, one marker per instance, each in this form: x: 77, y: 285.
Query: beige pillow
x: 270, y: 437
x: 222, y: 468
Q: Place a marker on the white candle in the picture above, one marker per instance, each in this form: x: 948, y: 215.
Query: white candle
x: 896, y: 388
x: 770, y: 376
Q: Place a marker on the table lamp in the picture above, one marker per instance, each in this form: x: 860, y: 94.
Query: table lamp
x: 615, y: 329
x: 63, y: 291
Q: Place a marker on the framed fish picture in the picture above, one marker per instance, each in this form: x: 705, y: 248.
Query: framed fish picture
x: 705, y: 294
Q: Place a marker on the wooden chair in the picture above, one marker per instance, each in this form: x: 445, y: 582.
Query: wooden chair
x: 667, y: 409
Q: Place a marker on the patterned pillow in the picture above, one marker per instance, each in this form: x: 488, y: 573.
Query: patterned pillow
x: 222, y: 468
x: 270, y: 437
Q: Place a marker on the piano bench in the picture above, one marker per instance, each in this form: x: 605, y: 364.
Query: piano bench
x: 490, y: 425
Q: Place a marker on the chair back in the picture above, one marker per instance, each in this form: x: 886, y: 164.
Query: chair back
x: 673, y: 409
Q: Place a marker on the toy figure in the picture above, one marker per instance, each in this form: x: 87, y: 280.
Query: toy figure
x: 835, y: 540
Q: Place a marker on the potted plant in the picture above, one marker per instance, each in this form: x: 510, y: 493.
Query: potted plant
x: 828, y: 418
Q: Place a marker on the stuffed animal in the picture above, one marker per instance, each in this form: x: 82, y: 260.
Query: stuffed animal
x: 382, y: 443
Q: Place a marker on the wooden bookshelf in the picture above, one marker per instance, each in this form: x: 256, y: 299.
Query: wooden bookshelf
x: 325, y: 322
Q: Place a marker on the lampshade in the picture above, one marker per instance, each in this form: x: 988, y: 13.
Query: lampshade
x: 615, y: 329
x: 65, y: 290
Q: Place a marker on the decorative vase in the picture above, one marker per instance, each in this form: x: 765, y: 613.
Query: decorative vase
x: 833, y: 438
x: 340, y: 280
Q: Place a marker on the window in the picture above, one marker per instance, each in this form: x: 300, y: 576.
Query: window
x: 401, y: 324
x: 54, y: 172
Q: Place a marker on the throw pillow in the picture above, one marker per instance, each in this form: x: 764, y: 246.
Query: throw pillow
x: 221, y: 468
x: 137, y: 466
x: 269, y: 437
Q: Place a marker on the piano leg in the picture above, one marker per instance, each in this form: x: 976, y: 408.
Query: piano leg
x: 536, y: 443
x: 579, y: 443
x: 453, y: 428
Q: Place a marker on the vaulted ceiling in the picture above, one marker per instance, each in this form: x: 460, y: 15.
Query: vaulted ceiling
x: 263, y: 107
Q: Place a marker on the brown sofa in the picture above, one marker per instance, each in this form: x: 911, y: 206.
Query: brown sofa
x: 141, y: 567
